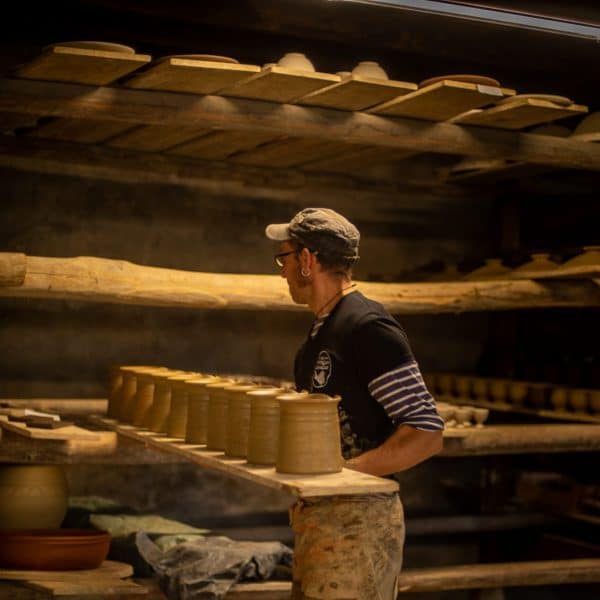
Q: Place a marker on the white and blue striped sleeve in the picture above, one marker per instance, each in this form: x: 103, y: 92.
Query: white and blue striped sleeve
x: 403, y: 395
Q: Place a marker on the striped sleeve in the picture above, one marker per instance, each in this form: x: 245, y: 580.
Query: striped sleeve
x: 404, y: 396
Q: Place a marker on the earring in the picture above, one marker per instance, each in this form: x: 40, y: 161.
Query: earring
x: 305, y: 273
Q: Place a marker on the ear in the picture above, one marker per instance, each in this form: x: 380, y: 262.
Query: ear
x: 306, y: 258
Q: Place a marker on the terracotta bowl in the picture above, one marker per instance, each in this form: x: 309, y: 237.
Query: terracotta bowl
x: 53, y: 549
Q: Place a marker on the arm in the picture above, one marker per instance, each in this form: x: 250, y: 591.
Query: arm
x: 405, y: 448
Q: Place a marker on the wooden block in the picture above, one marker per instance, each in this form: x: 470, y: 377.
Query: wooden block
x: 357, y: 93
x: 442, y: 100
x: 71, y: 432
x: 86, y: 131
x: 81, y: 65
x: 277, y: 84
x: 221, y: 144
x: 520, y: 113
x: 289, y: 152
x: 190, y: 75
x: 155, y: 138
x: 109, y: 568
x: 361, y: 156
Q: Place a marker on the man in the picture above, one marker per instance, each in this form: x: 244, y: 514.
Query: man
x: 388, y: 419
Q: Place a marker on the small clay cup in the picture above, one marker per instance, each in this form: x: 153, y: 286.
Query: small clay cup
x: 218, y: 405
x: 296, y: 61
x: 144, y: 396
x: 177, y: 419
x: 445, y: 383
x: 480, y: 388
x: 559, y: 398
x: 263, y: 429
x: 197, y: 417
x: 539, y: 395
x: 517, y: 392
x: 463, y: 415
x: 499, y: 390
x: 578, y: 400
x: 462, y: 386
x: 447, y: 414
x: 238, y: 420
x: 158, y: 413
x: 480, y: 415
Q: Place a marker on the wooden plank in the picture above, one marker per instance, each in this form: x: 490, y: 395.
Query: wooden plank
x: 520, y: 439
x: 12, y: 268
x: 155, y: 138
x: 520, y: 113
x: 278, y: 84
x: 109, y: 568
x: 348, y: 158
x: 69, y: 406
x: 190, y: 75
x: 357, y: 93
x: 442, y: 100
x: 85, y: 131
x: 268, y: 590
x: 82, y: 65
x: 69, y: 432
x: 106, y: 280
x: 346, y: 482
x: 222, y: 144
x: 102, y: 587
x: 162, y: 108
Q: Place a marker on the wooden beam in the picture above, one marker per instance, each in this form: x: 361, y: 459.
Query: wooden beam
x: 187, y: 110
x: 94, y: 279
x: 12, y: 268
x: 213, y: 177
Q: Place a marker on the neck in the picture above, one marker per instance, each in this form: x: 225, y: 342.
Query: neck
x: 328, y: 293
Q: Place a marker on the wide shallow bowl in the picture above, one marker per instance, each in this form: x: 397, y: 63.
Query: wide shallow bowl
x: 53, y: 549
x: 478, y: 79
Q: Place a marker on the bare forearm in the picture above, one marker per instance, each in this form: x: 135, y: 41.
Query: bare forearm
x: 404, y: 449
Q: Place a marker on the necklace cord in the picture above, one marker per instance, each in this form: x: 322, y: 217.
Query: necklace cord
x: 338, y: 293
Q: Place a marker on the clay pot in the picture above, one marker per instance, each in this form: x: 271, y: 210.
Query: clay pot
x: 517, y: 392
x: 218, y: 404
x: 578, y: 400
x: 463, y: 415
x: 539, y: 395
x: 32, y: 496
x: 590, y: 257
x: 309, y: 434
x: 177, y: 419
x: 296, y: 61
x: 462, y: 385
x: 158, y: 413
x: 499, y: 389
x: 558, y: 399
x: 238, y: 420
x: 595, y: 401
x: 128, y: 391
x: 445, y: 383
x: 263, y: 429
x: 144, y: 396
x: 115, y: 384
x: 370, y: 69
x: 197, y: 419
x: 447, y: 414
x: 480, y: 415
x: 539, y: 263
x: 480, y: 388
x: 492, y: 269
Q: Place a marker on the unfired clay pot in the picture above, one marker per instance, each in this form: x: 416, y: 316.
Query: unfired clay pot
x: 517, y: 392
x: 539, y: 395
x: 263, y: 430
x: 480, y: 388
x: 129, y: 389
x: 159, y: 411
x: 558, y: 398
x: 369, y: 69
x: 177, y: 419
x: 238, y: 420
x: 493, y: 269
x: 144, y: 396
x: 480, y: 415
x: 197, y: 419
x: 32, y: 496
x: 578, y: 400
x: 296, y: 61
x: 309, y: 434
x: 463, y: 415
x: 499, y: 389
x: 445, y: 383
x: 218, y: 404
x: 462, y: 386
x: 539, y: 263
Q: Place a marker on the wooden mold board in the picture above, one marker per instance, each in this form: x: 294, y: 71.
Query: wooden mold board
x: 442, y: 100
x: 289, y: 152
x: 82, y: 65
x: 85, y: 131
x: 218, y: 145
x: 277, y: 84
x: 70, y: 432
x: 155, y: 138
x: 357, y: 93
x: 357, y: 157
x: 520, y: 113
x: 344, y: 482
x: 190, y: 75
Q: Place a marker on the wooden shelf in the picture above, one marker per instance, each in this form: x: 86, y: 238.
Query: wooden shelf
x: 304, y: 486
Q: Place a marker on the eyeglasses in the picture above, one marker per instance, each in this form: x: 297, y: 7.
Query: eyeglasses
x: 279, y: 257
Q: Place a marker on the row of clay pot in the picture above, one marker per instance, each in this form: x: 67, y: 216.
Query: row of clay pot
x: 297, y: 432
x: 462, y: 416
x: 518, y: 393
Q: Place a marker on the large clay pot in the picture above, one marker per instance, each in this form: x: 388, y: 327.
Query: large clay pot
x: 218, y: 403
x: 309, y: 434
x: 32, y: 496
x: 238, y: 420
x: 115, y: 385
x: 197, y: 420
x: 263, y: 430
x: 177, y: 419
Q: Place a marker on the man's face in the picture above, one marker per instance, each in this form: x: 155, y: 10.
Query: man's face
x: 290, y: 271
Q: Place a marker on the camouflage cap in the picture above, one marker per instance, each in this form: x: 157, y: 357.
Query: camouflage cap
x: 319, y: 229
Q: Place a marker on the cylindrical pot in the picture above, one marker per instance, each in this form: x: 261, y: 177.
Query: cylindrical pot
x: 32, y: 496
x: 144, y: 395
x: 517, y: 392
x: 579, y: 400
x: 177, y: 419
x: 538, y: 395
x: 159, y: 411
x: 480, y: 388
x: 115, y: 385
x: 128, y: 391
x: 309, y: 434
x: 218, y: 403
x: 558, y: 398
x: 238, y: 420
x: 445, y: 383
x: 263, y: 429
x: 499, y: 390
x: 197, y: 419
x: 462, y: 385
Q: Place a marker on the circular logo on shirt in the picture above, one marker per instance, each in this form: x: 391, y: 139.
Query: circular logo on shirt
x: 322, y: 370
